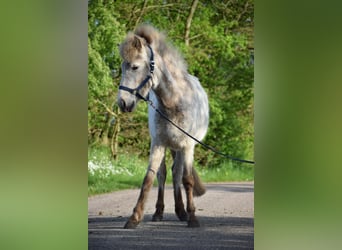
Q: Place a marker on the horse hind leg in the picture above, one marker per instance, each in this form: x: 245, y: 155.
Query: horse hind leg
x: 177, y: 173
x: 161, y: 175
x: 189, y: 182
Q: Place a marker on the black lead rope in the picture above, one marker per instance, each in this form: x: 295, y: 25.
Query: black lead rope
x: 194, y: 138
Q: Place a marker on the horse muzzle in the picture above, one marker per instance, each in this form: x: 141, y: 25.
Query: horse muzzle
x: 127, y: 105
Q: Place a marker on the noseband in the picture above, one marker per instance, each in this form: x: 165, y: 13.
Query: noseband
x: 143, y: 83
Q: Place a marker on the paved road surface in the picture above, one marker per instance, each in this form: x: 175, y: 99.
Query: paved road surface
x: 225, y: 212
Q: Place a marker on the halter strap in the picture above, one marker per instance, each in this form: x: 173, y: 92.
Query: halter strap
x: 143, y: 83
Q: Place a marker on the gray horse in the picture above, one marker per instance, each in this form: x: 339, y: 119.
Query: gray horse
x: 153, y: 70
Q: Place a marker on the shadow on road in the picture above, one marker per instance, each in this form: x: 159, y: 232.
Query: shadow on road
x: 214, y: 233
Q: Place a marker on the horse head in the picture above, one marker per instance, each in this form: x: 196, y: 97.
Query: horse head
x: 137, y: 68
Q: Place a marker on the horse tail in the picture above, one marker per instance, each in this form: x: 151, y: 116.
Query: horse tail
x: 199, y: 188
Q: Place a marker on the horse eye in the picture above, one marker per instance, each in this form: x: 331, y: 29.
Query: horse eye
x: 134, y: 67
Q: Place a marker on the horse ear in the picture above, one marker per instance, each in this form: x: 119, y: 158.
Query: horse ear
x: 137, y: 43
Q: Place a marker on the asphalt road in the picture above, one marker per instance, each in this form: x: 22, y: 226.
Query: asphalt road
x: 225, y: 212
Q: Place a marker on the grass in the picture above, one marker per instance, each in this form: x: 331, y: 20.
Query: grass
x: 128, y: 171
x: 227, y: 171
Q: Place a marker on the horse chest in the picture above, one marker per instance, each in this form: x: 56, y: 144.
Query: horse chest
x: 165, y: 133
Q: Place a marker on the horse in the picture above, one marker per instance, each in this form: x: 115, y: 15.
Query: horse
x: 153, y: 70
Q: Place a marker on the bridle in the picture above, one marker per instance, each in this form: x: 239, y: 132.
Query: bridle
x: 143, y: 83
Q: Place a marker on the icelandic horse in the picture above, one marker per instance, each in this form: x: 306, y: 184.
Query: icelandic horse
x: 154, y: 71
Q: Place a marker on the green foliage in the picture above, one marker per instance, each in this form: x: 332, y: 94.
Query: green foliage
x: 104, y: 34
x: 219, y: 54
x: 220, y: 58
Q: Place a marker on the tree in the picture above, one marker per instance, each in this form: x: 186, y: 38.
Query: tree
x: 216, y: 38
x: 104, y: 33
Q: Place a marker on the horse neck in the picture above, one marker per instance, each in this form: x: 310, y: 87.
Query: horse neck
x: 169, y: 85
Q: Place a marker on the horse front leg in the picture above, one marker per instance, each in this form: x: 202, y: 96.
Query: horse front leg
x: 161, y: 175
x: 188, y: 183
x: 156, y: 158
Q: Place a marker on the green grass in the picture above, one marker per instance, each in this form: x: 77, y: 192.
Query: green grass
x: 227, y: 171
x: 128, y: 171
x: 106, y: 174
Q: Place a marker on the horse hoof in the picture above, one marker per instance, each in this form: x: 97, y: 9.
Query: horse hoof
x: 183, y: 217
x: 193, y: 223
x: 131, y: 224
x: 157, y: 217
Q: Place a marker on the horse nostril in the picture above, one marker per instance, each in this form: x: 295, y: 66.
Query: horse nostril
x: 130, y: 107
x: 126, y: 106
x: 122, y: 104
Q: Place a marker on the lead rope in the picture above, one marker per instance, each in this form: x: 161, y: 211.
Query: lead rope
x: 194, y: 138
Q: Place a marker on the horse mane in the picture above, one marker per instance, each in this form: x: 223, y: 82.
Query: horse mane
x: 157, y: 40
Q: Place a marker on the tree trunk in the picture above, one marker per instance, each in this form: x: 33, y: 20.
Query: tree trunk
x: 142, y: 12
x: 188, y: 22
x: 115, y: 137
x: 105, y: 132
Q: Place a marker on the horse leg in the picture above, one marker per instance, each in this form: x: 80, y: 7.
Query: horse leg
x: 156, y: 158
x: 188, y: 183
x: 177, y: 173
x: 161, y: 175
